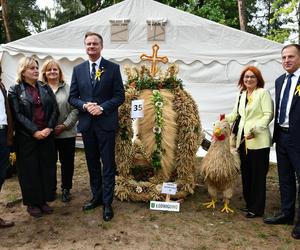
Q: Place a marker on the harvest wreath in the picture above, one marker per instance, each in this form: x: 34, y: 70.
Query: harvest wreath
x: 166, y: 141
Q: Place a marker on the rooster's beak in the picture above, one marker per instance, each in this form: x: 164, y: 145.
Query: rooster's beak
x: 217, y: 132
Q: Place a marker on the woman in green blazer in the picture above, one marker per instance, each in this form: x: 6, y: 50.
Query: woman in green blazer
x: 254, y: 105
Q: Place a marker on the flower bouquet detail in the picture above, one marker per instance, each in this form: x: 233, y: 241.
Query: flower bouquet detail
x: 140, y: 78
x: 158, y: 102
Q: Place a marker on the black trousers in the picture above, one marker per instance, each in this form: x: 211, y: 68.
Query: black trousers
x: 254, y: 169
x: 65, y: 153
x: 99, y: 146
x: 36, y: 168
x: 288, y: 163
x: 4, y: 155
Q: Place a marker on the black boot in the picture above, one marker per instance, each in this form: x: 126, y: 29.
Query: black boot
x: 66, y: 195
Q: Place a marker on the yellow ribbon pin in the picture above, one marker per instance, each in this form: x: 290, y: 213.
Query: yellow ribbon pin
x: 297, y: 90
x: 98, y: 74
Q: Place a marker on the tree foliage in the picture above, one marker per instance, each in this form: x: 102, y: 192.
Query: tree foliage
x: 219, y: 11
x: 273, y: 19
x: 24, y: 18
x: 283, y: 15
x: 68, y: 10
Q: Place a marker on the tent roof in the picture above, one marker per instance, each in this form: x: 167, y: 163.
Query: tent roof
x: 189, y: 38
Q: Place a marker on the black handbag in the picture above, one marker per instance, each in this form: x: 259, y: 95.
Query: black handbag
x: 205, y: 144
x: 235, y: 124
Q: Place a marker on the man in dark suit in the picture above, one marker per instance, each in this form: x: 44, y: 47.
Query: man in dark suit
x: 6, y: 137
x: 287, y: 137
x: 97, y: 91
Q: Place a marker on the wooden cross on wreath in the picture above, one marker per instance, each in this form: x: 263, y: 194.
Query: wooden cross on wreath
x: 154, y: 59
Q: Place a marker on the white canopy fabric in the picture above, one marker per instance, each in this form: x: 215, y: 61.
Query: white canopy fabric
x: 210, y: 55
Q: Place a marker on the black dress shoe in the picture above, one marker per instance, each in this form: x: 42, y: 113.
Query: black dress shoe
x: 92, y: 204
x: 296, y: 233
x: 108, y: 213
x: 46, y: 209
x: 34, y: 211
x: 65, y: 195
x: 279, y: 219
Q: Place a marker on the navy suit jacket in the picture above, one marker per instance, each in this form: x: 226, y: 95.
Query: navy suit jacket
x: 108, y: 92
x: 294, y: 115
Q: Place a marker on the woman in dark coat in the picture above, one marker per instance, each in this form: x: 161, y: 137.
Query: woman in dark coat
x: 35, y: 113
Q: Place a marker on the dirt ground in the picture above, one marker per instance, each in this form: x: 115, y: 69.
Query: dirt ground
x: 135, y: 226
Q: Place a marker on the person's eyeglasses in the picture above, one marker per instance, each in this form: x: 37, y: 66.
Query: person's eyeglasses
x: 251, y: 77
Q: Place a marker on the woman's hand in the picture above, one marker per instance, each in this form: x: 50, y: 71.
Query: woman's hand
x: 38, y: 135
x: 42, y: 134
x: 250, y: 136
x: 46, y: 132
x: 59, y: 129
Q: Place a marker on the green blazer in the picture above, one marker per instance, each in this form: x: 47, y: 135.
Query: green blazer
x: 255, y: 117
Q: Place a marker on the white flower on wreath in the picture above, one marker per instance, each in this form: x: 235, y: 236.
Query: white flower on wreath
x: 159, y: 104
x: 158, y: 188
x: 139, y: 189
x: 156, y: 130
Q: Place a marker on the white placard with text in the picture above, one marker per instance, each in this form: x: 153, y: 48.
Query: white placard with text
x: 169, y: 188
x: 165, y: 206
x: 137, y: 108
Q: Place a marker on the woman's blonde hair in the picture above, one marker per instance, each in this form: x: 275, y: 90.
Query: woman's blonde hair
x: 46, y: 65
x: 24, y: 63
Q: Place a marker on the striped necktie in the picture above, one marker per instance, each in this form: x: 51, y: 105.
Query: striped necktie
x: 93, y: 73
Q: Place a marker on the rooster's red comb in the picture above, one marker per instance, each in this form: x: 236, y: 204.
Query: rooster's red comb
x: 222, y: 117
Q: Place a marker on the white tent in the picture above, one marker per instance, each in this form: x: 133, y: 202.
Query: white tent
x: 210, y: 56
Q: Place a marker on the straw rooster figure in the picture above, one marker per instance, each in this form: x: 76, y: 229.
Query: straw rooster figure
x: 220, y: 166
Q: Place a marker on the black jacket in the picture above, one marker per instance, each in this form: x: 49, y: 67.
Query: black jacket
x: 23, y: 109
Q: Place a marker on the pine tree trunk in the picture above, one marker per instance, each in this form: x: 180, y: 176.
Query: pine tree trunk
x: 242, y: 17
x: 5, y: 20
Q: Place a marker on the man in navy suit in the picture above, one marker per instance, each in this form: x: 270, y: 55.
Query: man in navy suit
x: 97, y: 91
x: 287, y: 137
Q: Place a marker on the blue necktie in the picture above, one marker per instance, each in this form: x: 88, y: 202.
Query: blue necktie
x: 285, y: 99
x: 93, y: 73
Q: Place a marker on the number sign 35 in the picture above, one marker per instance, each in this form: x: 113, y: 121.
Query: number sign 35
x: 137, y: 108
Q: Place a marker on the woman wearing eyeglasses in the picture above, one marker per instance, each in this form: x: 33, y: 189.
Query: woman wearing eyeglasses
x: 254, y: 105
x: 35, y: 113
